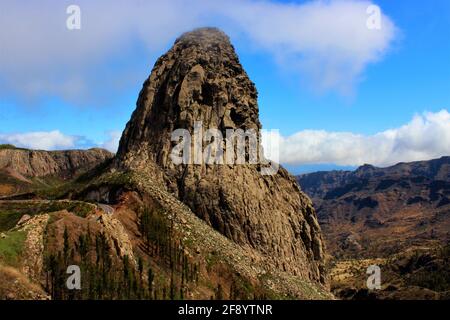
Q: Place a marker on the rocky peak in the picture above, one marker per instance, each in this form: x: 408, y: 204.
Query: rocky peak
x: 200, y: 80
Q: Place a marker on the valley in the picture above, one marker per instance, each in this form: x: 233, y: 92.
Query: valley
x: 398, y: 215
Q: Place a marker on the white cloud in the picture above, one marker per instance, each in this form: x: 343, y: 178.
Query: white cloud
x: 50, y: 140
x: 327, y: 42
x: 112, y: 144
x: 426, y: 136
x: 56, y: 140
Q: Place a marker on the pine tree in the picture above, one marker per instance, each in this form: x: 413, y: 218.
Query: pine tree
x: 140, y: 266
x: 172, y: 286
x: 66, y: 245
x: 219, y: 292
x: 150, y: 281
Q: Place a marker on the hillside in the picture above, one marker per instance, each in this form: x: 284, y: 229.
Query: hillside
x: 383, y: 212
x: 23, y: 170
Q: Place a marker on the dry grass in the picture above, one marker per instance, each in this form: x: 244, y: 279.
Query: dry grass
x: 6, y: 189
x: 15, y: 285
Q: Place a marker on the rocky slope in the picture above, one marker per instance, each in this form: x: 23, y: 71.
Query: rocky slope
x: 413, y: 274
x: 380, y: 210
x: 66, y: 164
x: 21, y: 170
x: 200, y: 79
x: 396, y: 217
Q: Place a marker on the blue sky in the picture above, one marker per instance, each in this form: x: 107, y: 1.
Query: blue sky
x: 81, y: 86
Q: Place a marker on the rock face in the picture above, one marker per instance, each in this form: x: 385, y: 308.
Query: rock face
x: 64, y: 164
x: 200, y: 79
x: 378, y: 211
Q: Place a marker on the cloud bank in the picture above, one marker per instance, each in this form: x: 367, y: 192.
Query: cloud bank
x: 326, y: 42
x: 41, y: 140
x: 425, y: 137
x: 56, y: 140
x: 112, y: 144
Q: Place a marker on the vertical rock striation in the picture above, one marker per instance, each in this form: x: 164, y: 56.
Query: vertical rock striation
x: 200, y: 79
x: 64, y: 164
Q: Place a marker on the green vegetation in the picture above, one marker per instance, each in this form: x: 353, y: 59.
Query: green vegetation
x: 10, y: 185
x: 436, y: 275
x: 434, y: 280
x: 92, y: 254
x: 100, y: 274
x: 7, y: 146
x: 79, y: 208
x: 8, y: 219
x: 51, y: 187
x: 212, y: 259
x: 11, y: 247
x: 165, y: 275
x: 241, y: 289
x: 162, y: 244
x: 90, y: 180
x: 12, y: 211
x: 94, y: 172
x: 27, y: 188
x: 104, y: 275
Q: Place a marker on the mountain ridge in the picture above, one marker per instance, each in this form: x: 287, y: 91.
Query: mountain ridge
x: 396, y: 217
x: 22, y: 170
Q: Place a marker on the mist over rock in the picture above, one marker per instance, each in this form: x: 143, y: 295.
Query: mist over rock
x: 200, y: 79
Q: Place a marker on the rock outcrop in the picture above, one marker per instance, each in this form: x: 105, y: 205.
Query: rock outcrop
x: 23, y: 164
x: 200, y: 79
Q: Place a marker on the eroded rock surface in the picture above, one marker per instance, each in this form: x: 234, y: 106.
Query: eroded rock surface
x: 201, y: 79
x: 23, y: 164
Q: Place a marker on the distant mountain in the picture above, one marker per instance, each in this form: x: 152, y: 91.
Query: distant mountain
x: 22, y: 170
x: 379, y: 210
x: 397, y: 218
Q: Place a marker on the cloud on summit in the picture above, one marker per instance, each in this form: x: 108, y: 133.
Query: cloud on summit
x: 326, y: 42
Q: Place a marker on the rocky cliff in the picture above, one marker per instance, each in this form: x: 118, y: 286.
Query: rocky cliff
x: 64, y: 164
x: 143, y: 227
x: 201, y: 80
x: 23, y: 170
